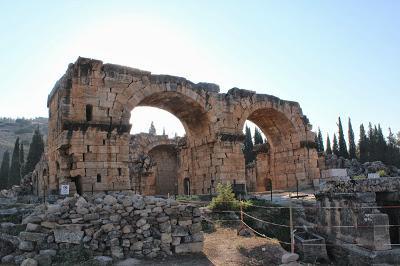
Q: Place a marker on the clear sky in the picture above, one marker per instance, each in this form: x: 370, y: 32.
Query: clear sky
x: 334, y: 57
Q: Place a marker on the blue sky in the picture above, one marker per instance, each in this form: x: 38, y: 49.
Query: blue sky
x: 333, y: 57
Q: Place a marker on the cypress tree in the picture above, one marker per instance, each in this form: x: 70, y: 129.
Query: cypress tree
x: 335, y: 145
x: 392, y: 153
x: 36, y: 149
x: 320, y: 141
x: 316, y: 140
x: 257, y: 136
x: 328, y: 145
x: 21, y: 157
x: 4, y: 169
x: 363, y: 145
x: 342, y: 142
x: 152, y: 129
x: 381, y: 145
x: 352, y: 142
x: 14, y: 175
x: 248, y: 146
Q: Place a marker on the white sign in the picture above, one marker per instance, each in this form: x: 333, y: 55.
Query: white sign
x: 64, y: 190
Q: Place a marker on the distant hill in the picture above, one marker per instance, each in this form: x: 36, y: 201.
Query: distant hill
x: 23, y: 128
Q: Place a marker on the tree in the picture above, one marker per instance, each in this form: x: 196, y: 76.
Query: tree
x: 21, y: 156
x: 316, y: 140
x: 371, y: 143
x: 36, y: 149
x: 381, y: 145
x: 258, y: 139
x: 320, y: 141
x: 335, y: 145
x: 4, y: 169
x: 363, y: 145
x: 248, y: 147
x: 352, y: 142
x: 328, y: 145
x: 14, y: 175
x: 342, y: 142
x: 152, y: 129
x: 163, y: 131
x: 393, y: 151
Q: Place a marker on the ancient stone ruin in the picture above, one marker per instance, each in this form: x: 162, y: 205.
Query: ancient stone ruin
x: 117, y: 225
x: 360, y: 220
x: 88, y: 141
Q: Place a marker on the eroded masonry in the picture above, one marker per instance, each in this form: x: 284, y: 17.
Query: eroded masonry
x: 90, y: 147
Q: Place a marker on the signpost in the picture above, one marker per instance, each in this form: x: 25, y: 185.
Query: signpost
x: 64, y: 190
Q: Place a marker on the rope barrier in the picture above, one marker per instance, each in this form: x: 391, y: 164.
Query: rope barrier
x: 257, y: 219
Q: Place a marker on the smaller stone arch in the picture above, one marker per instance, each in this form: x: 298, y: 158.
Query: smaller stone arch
x: 163, y: 156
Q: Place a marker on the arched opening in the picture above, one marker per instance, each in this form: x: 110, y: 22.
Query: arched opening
x: 172, y: 114
x: 89, y: 112
x: 186, y: 186
x: 190, y: 113
x: 165, y: 123
x: 165, y: 169
x: 275, y: 162
x: 78, y: 183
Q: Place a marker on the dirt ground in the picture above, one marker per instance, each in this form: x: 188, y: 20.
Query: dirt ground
x: 224, y: 247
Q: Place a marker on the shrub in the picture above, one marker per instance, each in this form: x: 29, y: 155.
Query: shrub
x: 226, y: 201
x: 188, y: 197
x: 359, y: 177
x: 382, y: 173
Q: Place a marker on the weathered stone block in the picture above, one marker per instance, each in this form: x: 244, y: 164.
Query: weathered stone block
x: 189, y: 247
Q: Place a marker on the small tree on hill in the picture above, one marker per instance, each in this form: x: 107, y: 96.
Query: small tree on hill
x: 320, y: 141
x: 342, y: 142
x: 248, y: 146
x: 363, y: 145
x: 36, y: 149
x: 4, y: 169
x: 257, y: 137
x: 328, y: 145
x: 14, y: 175
x: 335, y: 146
x: 152, y: 129
x: 352, y: 142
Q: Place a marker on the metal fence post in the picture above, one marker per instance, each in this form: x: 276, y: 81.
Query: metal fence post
x: 291, y: 224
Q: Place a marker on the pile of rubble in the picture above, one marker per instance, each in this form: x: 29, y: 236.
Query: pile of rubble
x: 118, y: 226
x: 356, y: 168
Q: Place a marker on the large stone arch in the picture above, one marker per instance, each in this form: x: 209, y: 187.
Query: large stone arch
x: 290, y: 156
x: 89, y: 112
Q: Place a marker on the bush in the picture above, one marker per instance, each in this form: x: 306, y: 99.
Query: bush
x: 382, y: 173
x: 359, y: 177
x: 226, y: 201
x: 188, y: 197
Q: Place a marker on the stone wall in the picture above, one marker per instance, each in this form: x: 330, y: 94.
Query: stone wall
x: 350, y: 211
x: 41, y: 178
x: 117, y: 225
x: 89, y: 113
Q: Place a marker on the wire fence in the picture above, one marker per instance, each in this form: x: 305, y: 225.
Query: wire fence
x: 293, y: 228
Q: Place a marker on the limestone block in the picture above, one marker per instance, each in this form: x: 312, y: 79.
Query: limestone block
x: 194, y: 247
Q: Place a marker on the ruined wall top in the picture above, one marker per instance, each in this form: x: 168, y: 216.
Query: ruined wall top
x: 382, y: 184
x: 113, y: 71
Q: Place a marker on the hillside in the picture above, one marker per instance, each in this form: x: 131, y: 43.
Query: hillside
x: 10, y: 129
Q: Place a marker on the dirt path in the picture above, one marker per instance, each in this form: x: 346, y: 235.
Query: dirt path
x: 224, y: 247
